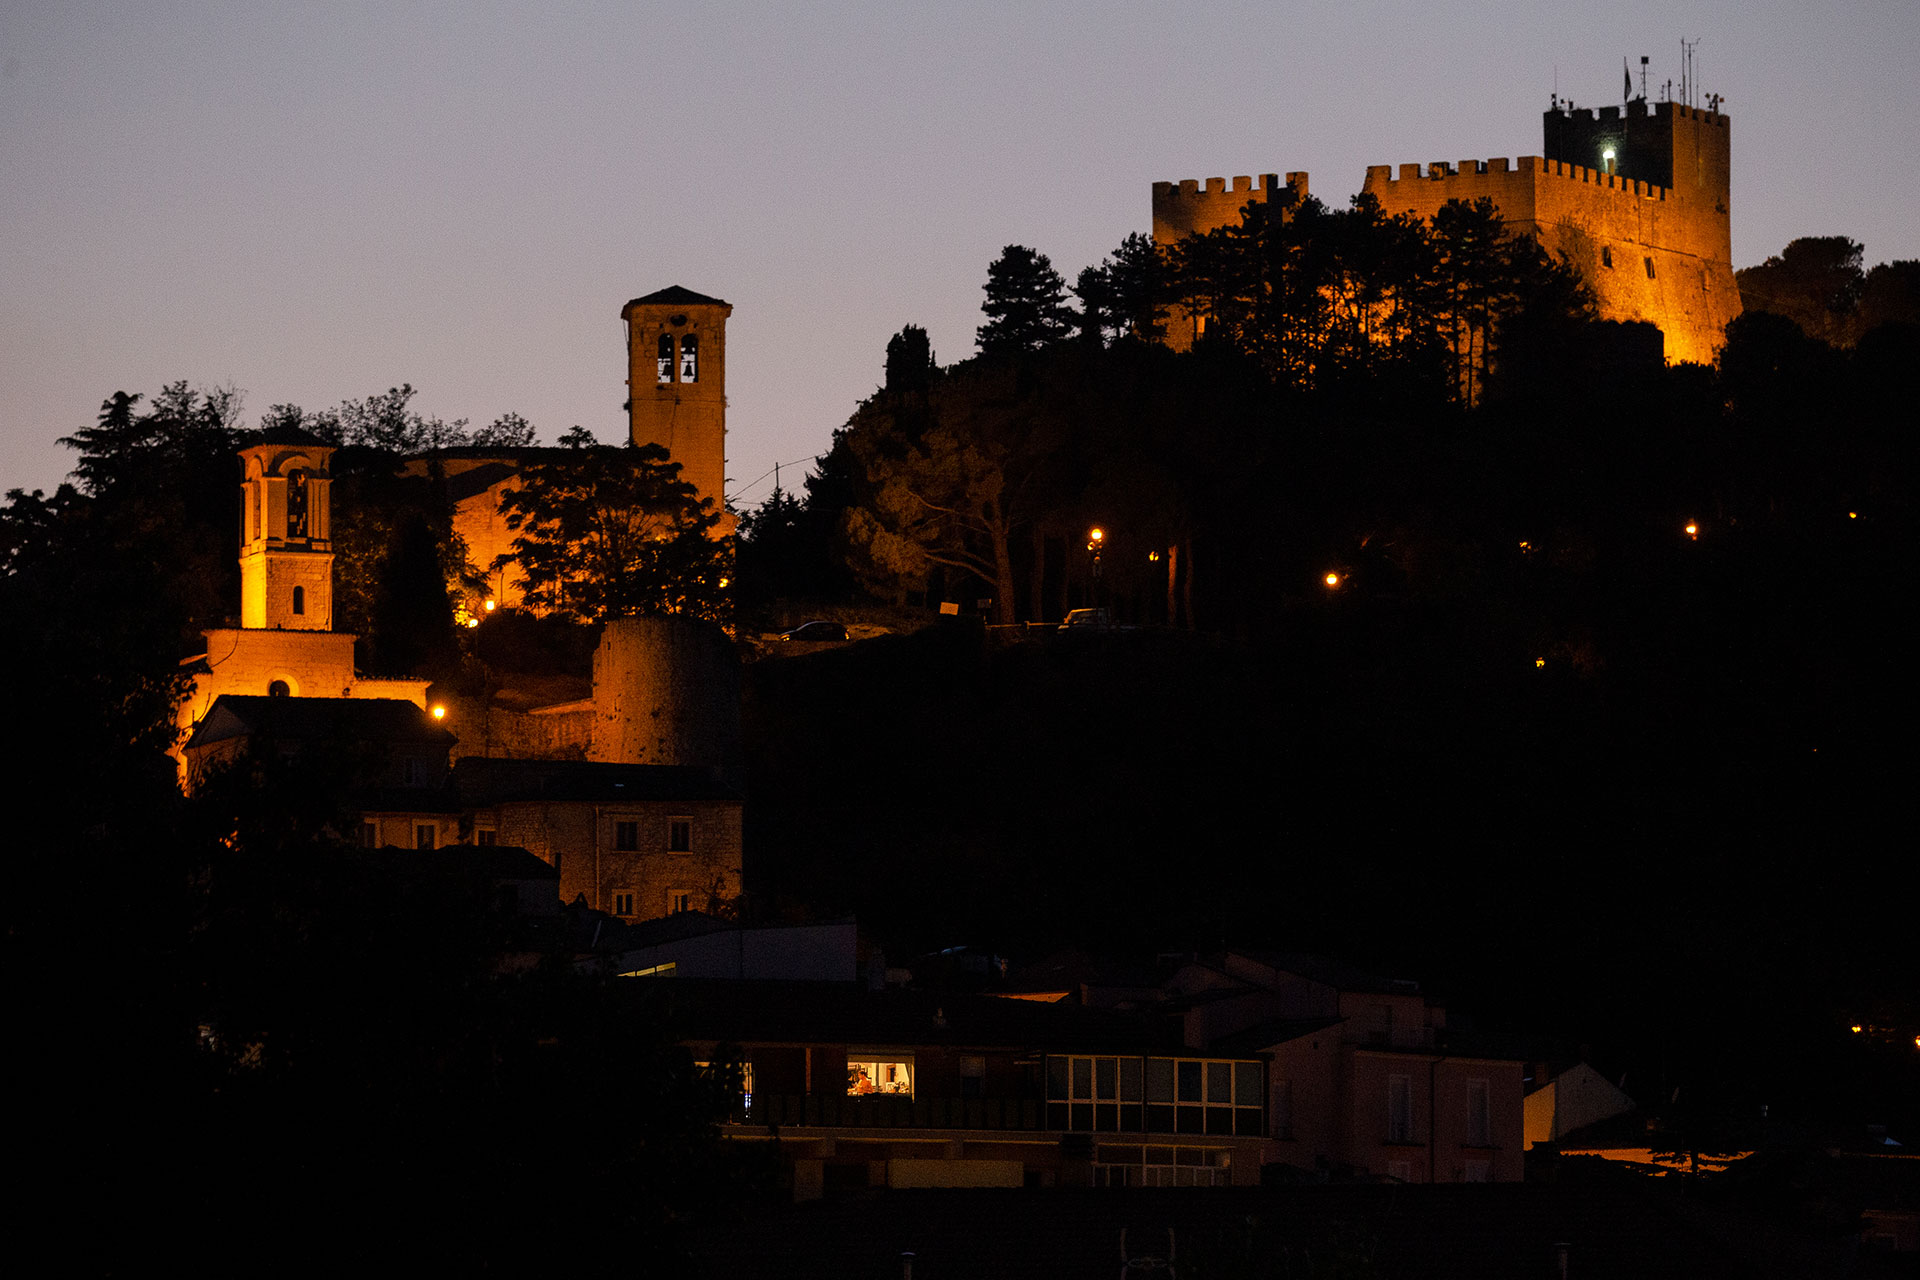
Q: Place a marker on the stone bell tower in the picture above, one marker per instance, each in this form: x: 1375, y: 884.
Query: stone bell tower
x: 677, y: 383
x: 286, y: 539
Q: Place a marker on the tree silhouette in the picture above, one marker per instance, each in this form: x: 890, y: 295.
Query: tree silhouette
x: 1026, y: 304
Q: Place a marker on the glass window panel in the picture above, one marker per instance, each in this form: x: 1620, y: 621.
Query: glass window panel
x: 1056, y: 1115
x: 1246, y: 1121
x: 1082, y: 1117
x: 1106, y: 1117
x: 1129, y: 1079
x: 1159, y: 1079
x: 1191, y: 1120
x: 1159, y: 1119
x: 1083, y: 1077
x: 1106, y: 1078
x: 1220, y: 1120
x: 1246, y: 1083
x: 1189, y: 1079
x: 1130, y: 1117
x: 1057, y: 1077
x: 1219, y: 1082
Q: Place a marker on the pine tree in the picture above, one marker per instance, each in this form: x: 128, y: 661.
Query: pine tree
x: 1026, y: 304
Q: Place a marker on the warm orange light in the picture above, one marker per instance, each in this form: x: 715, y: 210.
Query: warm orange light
x: 1097, y: 534
x: 1153, y: 555
x: 1856, y: 1028
x: 439, y: 711
x: 472, y: 623
x: 1333, y: 579
x: 1693, y: 530
x: 489, y: 606
x: 1853, y: 515
x: 1539, y: 662
x: 724, y: 582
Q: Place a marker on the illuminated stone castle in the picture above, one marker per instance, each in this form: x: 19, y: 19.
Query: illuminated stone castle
x: 1635, y: 197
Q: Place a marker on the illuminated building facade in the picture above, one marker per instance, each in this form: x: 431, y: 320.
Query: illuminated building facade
x: 285, y: 645
x: 1637, y: 198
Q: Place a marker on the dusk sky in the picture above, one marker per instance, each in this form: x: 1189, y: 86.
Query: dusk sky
x: 317, y: 202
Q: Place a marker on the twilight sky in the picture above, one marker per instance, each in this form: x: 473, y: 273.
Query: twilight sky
x: 317, y: 202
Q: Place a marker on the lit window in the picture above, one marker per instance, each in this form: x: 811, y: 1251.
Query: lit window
x: 690, y: 358
x: 875, y: 1073
x: 666, y: 357
x: 680, y: 835
x: 626, y: 835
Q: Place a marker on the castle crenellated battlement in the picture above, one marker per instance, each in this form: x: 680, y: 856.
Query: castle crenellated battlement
x: 1487, y: 173
x: 1182, y: 209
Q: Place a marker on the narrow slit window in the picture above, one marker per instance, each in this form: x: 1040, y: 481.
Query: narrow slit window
x: 690, y: 358
x: 1650, y: 275
x: 299, y: 599
x: 1606, y: 255
x: 666, y: 357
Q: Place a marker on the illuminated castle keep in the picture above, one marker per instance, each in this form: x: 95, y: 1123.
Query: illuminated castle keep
x: 285, y: 644
x: 1635, y: 198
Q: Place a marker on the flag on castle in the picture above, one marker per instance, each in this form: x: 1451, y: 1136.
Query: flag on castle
x: 1626, y: 82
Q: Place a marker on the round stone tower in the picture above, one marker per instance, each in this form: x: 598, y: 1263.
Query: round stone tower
x: 666, y: 690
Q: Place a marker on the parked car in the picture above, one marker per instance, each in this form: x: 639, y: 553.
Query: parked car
x: 815, y: 631
x: 1080, y: 621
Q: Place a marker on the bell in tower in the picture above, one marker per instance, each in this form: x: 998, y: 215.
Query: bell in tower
x: 286, y: 539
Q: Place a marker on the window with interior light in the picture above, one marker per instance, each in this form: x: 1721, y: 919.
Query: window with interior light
x: 890, y: 1074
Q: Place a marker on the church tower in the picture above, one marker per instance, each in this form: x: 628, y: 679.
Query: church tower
x: 286, y: 539
x: 677, y: 383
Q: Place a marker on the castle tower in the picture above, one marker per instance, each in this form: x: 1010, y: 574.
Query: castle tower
x: 677, y: 382
x: 1182, y: 209
x: 286, y: 540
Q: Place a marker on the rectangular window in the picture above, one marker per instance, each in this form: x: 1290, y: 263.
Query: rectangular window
x: 1155, y: 1095
x: 626, y: 835
x: 623, y: 904
x: 679, y: 900
x: 1606, y: 255
x: 1399, y: 1108
x: 1479, y: 1113
x: 1650, y: 274
x: 413, y: 772
x: 871, y: 1073
x: 679, y: 835
x: 425, y: 834
x: 370, y: 835
x: 485, y: 836
x: 1116, y: 1165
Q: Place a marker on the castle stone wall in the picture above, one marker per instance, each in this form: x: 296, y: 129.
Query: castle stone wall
x: 1608, y: 226
x: 1190, y: 207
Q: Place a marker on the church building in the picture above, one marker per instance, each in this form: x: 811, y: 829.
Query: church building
x: 285, y: 645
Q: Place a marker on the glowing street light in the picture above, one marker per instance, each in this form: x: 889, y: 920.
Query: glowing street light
x: 1332, y: 580
x: 1693, y: 530
x: 439, y: 711
x: 489, y: 605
